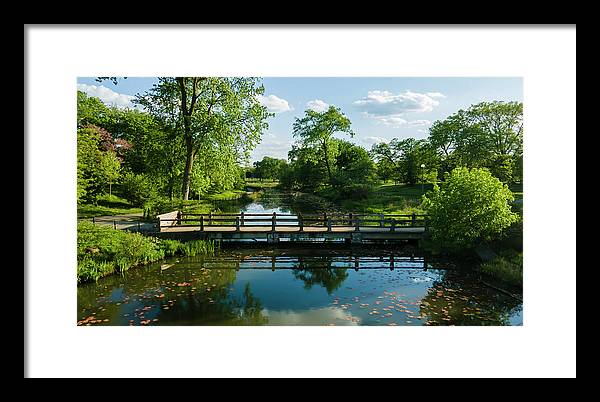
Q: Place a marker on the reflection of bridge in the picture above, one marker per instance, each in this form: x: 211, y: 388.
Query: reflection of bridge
x: 274, y: 262
x: 352, y: 228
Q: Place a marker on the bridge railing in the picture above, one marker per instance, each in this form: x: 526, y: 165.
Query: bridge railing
x: 275, y: 220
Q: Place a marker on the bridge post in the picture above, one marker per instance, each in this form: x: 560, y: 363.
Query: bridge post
x: 392, y: 262
x: 393, y: 227
x: 179, y: 217
x: 94, y: 220
x: 324, y: 218
x: 242, y: 222
x: 202, y: 223
x: 114, y: 224
x: 300, y: 222
x: 237, y: 223
x: 414, y: 219
x: 210, y: 218
x: 273, y: 221
x: 381, y: 220
x: 329, y: 224
x: 356, y: 224
x: 350, y: 221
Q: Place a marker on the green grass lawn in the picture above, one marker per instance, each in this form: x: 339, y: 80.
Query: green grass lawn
x: 225, y: 195
x: 261, y: 185
x: 107, y: 205
x: 390, y: 199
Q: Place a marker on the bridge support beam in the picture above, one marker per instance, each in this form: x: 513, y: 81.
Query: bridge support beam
x: 272, y: 238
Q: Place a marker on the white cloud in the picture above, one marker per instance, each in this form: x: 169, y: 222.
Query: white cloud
x: 419, y: 123
x: 274, y: 104
x: 107, y: 95
x: 392, y: 120
x: 385, y: 103
x: 436, y: 95
x: 317, y: 105
x: 391, y: 109
x: 273, y: 146
x: 321, y: 316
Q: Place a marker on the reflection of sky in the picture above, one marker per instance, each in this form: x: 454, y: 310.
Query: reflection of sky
x: 516, y: 317
x: 283, y: 296
x: 256, y: 208
x: 322, y: 316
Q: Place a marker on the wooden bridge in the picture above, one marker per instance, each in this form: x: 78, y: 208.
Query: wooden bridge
x: 350, y: 227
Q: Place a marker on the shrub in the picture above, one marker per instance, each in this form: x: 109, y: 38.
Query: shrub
x: 470, y: 206
x: 138, y: 189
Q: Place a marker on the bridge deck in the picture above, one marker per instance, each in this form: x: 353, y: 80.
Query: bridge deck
x: 353, y: 228
x: 292, y: 229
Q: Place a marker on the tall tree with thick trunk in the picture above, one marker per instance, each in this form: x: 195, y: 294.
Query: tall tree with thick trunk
x: 318, y: 128
x: 214, y: 114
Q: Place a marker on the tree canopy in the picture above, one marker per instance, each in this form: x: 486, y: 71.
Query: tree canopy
x: 318, y: 128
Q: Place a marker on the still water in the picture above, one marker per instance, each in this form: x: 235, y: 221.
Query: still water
x: 252, y: 284
x: 295, y: 287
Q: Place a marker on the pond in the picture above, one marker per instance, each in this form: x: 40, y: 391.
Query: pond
x: 295, y: 284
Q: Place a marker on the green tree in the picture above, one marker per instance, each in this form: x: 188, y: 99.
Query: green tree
x: 470, y: 206
x: 406, y: 157
x: 96, y: 167
x: 353, y: 164
x: 488, y: 134
x: 91, y: 110
x: 318, y: 128
x: 502, y: 123
x: 222, y: 114
x: 139, y: 189
x: 108, y: 168
x: 269, y: 168
x: 306, y: 170
x: 87, y: 148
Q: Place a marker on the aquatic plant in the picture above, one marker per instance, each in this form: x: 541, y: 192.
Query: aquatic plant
x: 102, y: 250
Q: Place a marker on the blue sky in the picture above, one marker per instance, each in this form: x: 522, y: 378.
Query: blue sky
x: 380, y: 108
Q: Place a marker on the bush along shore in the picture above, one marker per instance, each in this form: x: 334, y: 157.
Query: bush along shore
x: 102, y: 250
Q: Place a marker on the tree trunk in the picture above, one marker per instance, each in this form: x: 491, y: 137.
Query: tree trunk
x: 189, y: 161
x: 327, y: 163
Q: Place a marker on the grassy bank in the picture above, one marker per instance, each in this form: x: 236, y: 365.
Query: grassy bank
x: 114, y: 205
x: 261, y: 185
x: 386, y: 198
x: 102, y: 251
x: 107, y: 205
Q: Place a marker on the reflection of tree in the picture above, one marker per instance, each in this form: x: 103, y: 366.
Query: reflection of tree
x: 200, y: 296
x: 273, y: 200
x: 458, y: 299
x: 320, y: 272
x: 249, y: 309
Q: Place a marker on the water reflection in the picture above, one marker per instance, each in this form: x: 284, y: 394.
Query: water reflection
x: 296, y: 287
x: 454, y: 301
